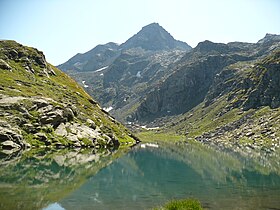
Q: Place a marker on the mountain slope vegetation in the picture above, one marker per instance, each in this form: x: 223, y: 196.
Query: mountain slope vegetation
x: 221, y: 94
x: 42, y: 106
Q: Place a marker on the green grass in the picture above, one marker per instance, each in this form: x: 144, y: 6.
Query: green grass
x: 204, y: 119
x: 152, y: 136
x: 186, y: 204
x: 59, y: 87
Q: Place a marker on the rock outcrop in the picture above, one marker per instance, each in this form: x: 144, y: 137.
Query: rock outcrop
x: 205, y: 73
x: 43, y: 107
x: 154, y: 37
x: 120, y: 76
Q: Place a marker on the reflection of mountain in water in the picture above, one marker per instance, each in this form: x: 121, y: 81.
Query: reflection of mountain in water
x: 222, y: 165
x: 147, y: 177
x: 35, y: 178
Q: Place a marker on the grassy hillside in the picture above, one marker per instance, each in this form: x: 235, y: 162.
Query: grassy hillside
x: 241, y: 109
x: 42, y: 106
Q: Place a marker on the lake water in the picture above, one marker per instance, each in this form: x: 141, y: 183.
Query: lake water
x: 140, y: 179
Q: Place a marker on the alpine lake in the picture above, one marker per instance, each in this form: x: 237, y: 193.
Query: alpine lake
x: 142, y: 177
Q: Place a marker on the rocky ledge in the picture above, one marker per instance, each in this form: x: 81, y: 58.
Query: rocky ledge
x: 44, y: 122
x: 40, y: 106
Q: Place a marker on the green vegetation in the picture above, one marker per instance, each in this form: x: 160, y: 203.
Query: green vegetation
x: 187, y: 204
x: 29, y: 77
x: 152, y: 136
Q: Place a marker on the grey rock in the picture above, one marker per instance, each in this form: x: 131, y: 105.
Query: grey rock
x: 40, y: 103
x: 54, y: 118
x: 45, y: 109
x: 72, y: 137
x: 9, y: 145
x: 10, y: 134
x: 68, y: 114
x: 51, y: 71
x: 4, y: 65
x: 91, y: 124
x: 13, y: 54
x: 61, y: 130
x: 249, y: 134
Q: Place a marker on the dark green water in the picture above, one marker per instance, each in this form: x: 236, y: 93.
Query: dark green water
x: 147, y: 177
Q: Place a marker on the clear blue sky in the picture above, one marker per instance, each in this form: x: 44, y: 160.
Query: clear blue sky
x: 62, y: 28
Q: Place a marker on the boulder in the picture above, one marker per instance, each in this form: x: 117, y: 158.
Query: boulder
x: 9, y: 145
x: 68, y: 114
x: 13, y: 54
x: 61, y: 130
x: 40, y: 103
x: 10, y: 134
x: 4, y: 65
x: 54, y: 117
x: 91, y: 124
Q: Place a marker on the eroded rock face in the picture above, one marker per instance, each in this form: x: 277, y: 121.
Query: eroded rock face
x: 40, y: 106
x: 4, y: 65
x: 183, y: 90
x: 54, y: 119
x: 34, y: 62
x: 265, y: 90
x: 11, y: 138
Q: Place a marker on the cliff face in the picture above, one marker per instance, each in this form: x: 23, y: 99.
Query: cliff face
x: 184, y: 89
x: 42, y: 106
x: 206, y: 72
x: 250, y: 84
x: 119, y: 77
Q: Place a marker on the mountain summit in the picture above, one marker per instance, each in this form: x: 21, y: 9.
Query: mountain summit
x: 154, y: 37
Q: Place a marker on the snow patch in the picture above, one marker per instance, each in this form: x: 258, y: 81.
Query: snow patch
x: 101, y: 69
x: 149, y: 145
x: 86, y: 86
x: 108, y: 109
x: 138, y: 74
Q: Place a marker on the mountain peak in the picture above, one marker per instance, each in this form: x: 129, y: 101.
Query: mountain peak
x: 154, y: 37
x: 208, y: 46
x: 269, y: 37
x: 152, y: 26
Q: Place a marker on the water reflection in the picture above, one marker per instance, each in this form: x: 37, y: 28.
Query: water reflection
x: 140, y: 179
x: 147, y: 177
x: 36, y: 178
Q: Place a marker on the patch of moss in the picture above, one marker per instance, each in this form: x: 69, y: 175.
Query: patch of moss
x: 186, y: 204
x: 86, y: 141
x: 29, y: 138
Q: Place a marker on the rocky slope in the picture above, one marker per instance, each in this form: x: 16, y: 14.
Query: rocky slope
x: 225, y: 94
x: 98, y: 57
x: 120, y: 76
x: 240, y: 110
x: 154, y: 37
x: 42, y: 106
x: 193, y: 79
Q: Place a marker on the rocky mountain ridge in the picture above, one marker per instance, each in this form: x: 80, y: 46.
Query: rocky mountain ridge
x: 240, y: 110
x: 225, y: 94
x: 42, y: 106
x: 134, y: 68
x: 194, y: 78
x: 154, y: 37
